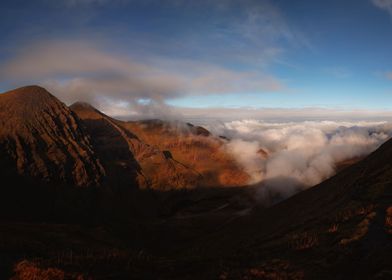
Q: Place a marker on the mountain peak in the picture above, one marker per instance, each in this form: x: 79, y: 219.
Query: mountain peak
x: 81, y: 104
x: 86, y: 110
x: 31, y: 92
x: 44, y: 138
x: 26, y: 101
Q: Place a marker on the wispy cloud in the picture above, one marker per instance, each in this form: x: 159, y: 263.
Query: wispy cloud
x: 338, y: 72
x: 388, y: 75
x: 85, y: 3
x: 214, y: 47
x: 208, y: 115
x: 384, y: 4
x: 213, y: 117
x: 77, y: 70
x: 252, y: 33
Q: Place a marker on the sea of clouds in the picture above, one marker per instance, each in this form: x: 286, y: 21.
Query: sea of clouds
x: 287, y: 157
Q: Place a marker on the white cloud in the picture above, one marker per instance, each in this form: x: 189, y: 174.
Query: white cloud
x: 219, y: 115
x: 384, y: 4
x: 251, y: 38
x: 77, y: 70
x: 246, y: 153
x: 300, y: 154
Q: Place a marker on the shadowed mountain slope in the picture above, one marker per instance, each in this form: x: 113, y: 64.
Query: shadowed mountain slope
x: 44, y: 139
x: 339, y: 229
x: 130, y: 161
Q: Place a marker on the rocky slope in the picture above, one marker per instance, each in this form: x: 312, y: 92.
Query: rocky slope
x: 42, y: 138
x: 195, y: 147
x: 160, y: 155
x: 130, y: 161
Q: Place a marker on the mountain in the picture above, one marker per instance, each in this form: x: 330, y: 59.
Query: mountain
x: 195, y: 147
x: 130, y: 161
x: 160, y: 155
x: 43, y: 138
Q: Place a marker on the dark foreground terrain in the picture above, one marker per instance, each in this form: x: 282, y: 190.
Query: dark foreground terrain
x: 340, y: 229
x: 70, y: 227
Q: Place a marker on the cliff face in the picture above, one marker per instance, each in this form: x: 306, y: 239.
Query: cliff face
x: 43, y: 138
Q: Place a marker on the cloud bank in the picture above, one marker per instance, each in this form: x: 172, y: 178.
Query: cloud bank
x: 284, y: 158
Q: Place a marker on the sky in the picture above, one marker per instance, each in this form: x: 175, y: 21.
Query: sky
x: 206, y: 57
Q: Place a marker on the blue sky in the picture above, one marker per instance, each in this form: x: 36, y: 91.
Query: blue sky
x: 202, y: 54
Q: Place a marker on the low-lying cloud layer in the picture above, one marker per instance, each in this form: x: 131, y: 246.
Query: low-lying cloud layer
x: 284, y: 158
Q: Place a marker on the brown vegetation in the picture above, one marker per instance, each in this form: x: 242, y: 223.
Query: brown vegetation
x: 360, y: 230
x: 303, y: 241
x: 25, y: 270
x: 388, y: 220
x: 163, y: 155
x: 203, y: 153
x: 275, y: 269
x: 333, y: 228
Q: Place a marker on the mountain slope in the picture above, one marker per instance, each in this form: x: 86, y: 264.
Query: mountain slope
x: 339, y: 229
x: 130, y: 161
x: 42, y: 138
x: 194, y: 146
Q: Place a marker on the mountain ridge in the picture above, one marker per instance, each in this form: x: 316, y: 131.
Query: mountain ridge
x: 45, y: 139
x: 124, y: 154
x: 151, y: 167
